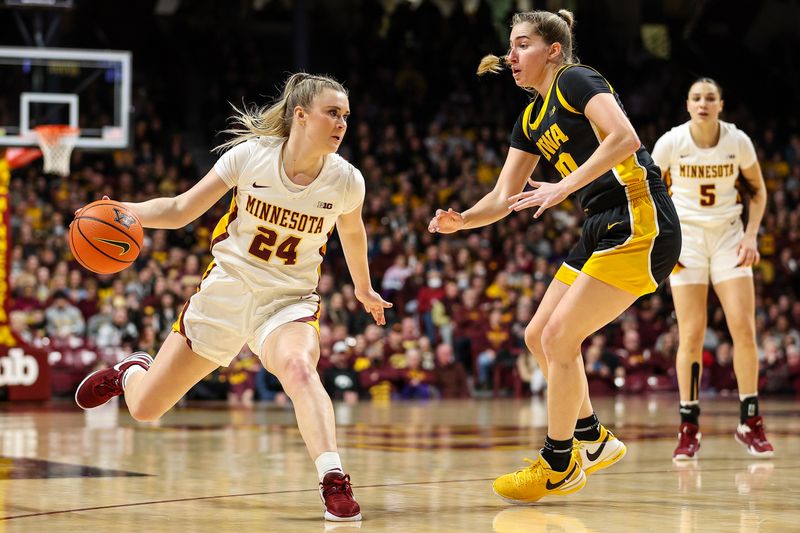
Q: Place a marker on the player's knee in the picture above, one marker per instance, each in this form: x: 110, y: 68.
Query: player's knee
x: 742, y: 330
x: 297, y: 373
x: 554, y: 337
x: 141, y: 412
x: 533, y: 338
x: 692, y: 338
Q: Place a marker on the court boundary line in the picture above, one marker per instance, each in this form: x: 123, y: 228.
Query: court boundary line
x: 360, y: 487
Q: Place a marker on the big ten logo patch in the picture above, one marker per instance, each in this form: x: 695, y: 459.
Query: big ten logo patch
x: 18, y: 368
x: 324, y: 205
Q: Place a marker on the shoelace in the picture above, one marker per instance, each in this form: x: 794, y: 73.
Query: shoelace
x: 338, y: 485
x: 108, y: 386
x: 531, y: 473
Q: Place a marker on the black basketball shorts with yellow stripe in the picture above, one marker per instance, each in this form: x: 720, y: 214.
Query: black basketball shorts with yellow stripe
x: 632, y: 245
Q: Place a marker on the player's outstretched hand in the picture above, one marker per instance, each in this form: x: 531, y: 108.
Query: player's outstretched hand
x: 374, y: 305
x: 446, y: 221
x: 544, y: 195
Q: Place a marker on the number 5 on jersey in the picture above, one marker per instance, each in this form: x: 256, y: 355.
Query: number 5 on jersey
x: 708, y: 195
x: 263, y: 246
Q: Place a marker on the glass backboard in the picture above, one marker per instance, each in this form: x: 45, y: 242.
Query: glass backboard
x: 88, y: 89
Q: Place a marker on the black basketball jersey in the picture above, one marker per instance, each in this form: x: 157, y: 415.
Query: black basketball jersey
x: 553, y: 125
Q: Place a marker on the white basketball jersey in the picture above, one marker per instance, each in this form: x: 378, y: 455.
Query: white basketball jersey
x: 703, y: 180
x: 272, y: 235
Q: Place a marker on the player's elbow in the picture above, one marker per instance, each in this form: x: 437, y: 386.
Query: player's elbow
x: 630, y: 141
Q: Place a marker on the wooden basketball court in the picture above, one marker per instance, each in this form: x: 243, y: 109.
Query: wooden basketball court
x: 415, y: 467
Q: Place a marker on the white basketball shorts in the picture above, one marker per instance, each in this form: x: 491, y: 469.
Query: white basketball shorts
x: 709, y: 253
x: 226, y: 313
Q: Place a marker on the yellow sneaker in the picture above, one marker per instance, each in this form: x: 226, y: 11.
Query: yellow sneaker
x: 601, y: 453
x: 538, y: 480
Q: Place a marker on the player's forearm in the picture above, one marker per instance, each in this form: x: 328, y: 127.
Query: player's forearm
x: 354, y: 245
x: 158, y: 213
x: 487, y: 210
x: 612, y: 151
x: 757, y: 206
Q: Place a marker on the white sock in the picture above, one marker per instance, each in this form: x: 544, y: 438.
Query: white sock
x: 743, y: 397
x: 326, y: 462
x: 128, y: 373
x: 690, y: 403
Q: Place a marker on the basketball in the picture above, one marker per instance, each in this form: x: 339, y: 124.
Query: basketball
x: 105, y: 237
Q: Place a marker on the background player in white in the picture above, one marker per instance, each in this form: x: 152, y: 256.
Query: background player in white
x: 289, y: 189
x: 701, y: 161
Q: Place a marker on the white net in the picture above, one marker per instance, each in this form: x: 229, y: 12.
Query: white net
x: 56, y: 143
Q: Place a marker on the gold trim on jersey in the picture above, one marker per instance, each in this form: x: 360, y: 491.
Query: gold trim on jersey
x: 628, y: 265
x: 526, y: 126
x: 566, y: 274
x: 312, y: 320
x: 178, y: 326
x: 629, y: 171
x: 220, y: 232
x: 526, y: 117
x: 565, y: 103
x: 540, y: 116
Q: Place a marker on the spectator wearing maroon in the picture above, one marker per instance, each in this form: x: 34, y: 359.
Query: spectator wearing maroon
x: 395, y: 276
x: 469, y: 324
x: 427, y: 295
x: 494, y: 348
x: 651, y: 323
x: 24, y: 299
x: 384, y: 258
x: 449, y: 376
x: 723, y: 377
x: 793, y: 363
x: 89, y: 305
x: 241, y: 378
x: 774, y: 373
x: 375, y: 376
x: 393, y: 348
x: 444, y: 313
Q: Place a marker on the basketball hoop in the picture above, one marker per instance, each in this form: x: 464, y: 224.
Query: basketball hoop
x: 57, y: 142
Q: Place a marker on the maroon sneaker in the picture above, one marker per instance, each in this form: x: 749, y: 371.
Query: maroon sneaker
x: 688, y: 442
x: 101, y: 385
x: 337, y: 495
x: 751, y: 436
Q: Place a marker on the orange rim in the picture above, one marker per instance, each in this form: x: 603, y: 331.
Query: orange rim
x: 53, y: 133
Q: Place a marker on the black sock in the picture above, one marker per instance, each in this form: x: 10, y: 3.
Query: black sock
x: 690, y: 412
x: 587, y: 428
x: 557, y: 453
x: 748, y: 408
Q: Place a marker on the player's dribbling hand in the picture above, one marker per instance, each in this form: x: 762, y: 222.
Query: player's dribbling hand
x: 81, y: 208
x: 747, y: 252
x: 446, y: 221
x: 373, y: 304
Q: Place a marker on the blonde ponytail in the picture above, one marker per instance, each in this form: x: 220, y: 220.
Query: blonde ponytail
x: 491, y: 63
x: 251, y: 122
